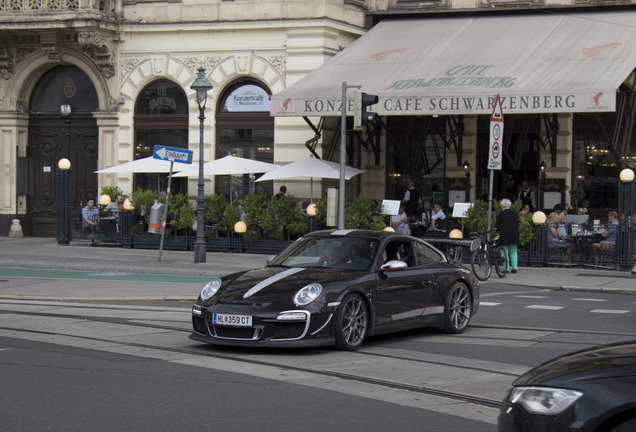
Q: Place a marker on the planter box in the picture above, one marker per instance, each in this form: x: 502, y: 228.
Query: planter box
x: 523, y: 257
x: 150, y: 241
x: 221, y: 244
x: 267, y: 247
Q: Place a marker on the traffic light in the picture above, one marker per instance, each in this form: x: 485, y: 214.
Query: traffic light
x: 360, y: 115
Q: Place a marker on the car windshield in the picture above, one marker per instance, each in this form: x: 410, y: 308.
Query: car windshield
x: 334, y: 252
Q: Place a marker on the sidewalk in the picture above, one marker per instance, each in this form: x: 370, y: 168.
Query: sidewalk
x: 45, y: 253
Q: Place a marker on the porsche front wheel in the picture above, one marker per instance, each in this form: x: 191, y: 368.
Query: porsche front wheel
x: 352, y: 318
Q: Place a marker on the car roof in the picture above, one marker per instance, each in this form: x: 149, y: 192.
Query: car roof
x: 352, y: 233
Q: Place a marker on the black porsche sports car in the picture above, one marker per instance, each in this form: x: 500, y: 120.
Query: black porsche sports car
x: 336, y: 288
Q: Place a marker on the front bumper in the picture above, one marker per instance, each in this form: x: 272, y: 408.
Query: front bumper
x: 297, y: 328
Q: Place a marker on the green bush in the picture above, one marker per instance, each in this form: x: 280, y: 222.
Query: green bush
x: 287, y: 217
x: 359, y: 214
x: 214, y: 207
x: 229, y: 218
x: 143, y: 199
x: 181, y: 215
x: 112, y: 191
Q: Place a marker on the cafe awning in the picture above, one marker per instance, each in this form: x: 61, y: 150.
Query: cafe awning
x: 543, y: 63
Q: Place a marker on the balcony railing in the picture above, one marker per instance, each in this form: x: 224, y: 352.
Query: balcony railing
x: 17, y: 6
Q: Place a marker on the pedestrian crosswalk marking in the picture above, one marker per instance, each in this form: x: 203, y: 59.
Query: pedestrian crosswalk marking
x: 609, y: 311
x: 546, y: 307
x: 590, y: 299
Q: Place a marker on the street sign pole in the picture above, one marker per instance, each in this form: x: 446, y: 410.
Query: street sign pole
x: 173, y: 155
x: 495, y: 159
x: 165, y: 211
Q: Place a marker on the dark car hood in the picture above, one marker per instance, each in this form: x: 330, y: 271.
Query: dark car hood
x: 616, y: 360
x: 270, y: 284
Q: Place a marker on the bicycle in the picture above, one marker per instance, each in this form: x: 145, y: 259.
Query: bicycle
x: 486, y: 256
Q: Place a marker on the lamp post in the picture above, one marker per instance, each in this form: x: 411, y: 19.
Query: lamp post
x: 537, y: 246
x: 63, y: 207
x: 626, y: 215
x: 201, y: 85
x: 312, y: 211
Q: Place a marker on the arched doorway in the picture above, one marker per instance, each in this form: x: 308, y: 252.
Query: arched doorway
x: 244, y: 129
x: 61, y: 125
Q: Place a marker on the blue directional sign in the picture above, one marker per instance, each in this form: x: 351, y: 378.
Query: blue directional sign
x: 172, y: 154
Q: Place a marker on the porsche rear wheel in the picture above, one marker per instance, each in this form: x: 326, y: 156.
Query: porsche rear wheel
x: 352, y: 318
x: 458, y: 307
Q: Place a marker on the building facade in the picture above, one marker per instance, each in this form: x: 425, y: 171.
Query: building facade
x: 100, y: 82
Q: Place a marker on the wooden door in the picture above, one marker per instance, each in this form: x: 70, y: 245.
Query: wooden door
x: 50, y: 139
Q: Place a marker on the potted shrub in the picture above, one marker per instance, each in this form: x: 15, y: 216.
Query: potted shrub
x: 363, y: 213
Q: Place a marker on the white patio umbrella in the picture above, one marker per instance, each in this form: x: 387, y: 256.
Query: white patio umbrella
x: 144, y: 165
x: 228, y: 165
x: 310, y: 168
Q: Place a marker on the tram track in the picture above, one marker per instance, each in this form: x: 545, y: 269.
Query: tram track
x: 206, y: 352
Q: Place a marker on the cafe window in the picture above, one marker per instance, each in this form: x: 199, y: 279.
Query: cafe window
x: 244, y: 129
x: 595, y: 168
x: 161, y: 118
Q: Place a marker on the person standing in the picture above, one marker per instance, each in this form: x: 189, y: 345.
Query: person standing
x: 507, y: 224
x: 527, y: 196
x: 411, y: 200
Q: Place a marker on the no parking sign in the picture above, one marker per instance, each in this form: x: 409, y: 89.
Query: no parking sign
x: 496, y: 136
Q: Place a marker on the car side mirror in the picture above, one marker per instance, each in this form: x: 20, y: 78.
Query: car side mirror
x: 394, y: 265
x: 270, y: 259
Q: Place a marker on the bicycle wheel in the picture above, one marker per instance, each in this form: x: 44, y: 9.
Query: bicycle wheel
x: 480, y: 263
x: 500, y: 258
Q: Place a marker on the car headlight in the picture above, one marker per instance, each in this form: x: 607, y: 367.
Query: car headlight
x: 210, y: 289
x: 307, y: 294
x: 544, y: 400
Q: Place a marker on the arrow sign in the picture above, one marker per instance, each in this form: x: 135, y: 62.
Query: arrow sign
x: 496, y: 136
x: 172, y: 154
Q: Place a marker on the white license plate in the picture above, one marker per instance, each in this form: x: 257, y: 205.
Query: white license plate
x: 232, y: 320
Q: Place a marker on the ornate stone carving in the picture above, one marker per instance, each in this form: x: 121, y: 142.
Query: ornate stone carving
x: 99, y: 49
x: 6, y: 63
x: 279, y: 63
x: 52, y: 51
x: 128, y: 64
x: 22, y: 53
x: 193, y: 63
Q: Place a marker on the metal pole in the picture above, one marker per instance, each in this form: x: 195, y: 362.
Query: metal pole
x: 490, y: 186
x: 199, y: 244
x: 165, y: 210
x: 343, y: 157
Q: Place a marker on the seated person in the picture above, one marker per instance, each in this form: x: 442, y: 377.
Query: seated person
x: 609, y: 235
x: 90, y: 220
x: 439, y: 222
x: 400, y: 222
x: 116, y: 207
x: 334, y: 256
x: 557, y: 234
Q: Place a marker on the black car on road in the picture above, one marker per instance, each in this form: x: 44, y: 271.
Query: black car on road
x: 593, y: 390
x: 337, y: 287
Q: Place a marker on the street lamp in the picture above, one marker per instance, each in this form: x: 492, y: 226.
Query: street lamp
x: 537, y: 246
x: 626, y: 216
x: 202, y: 86
x: 63, y: 208
x: 466, y: 168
